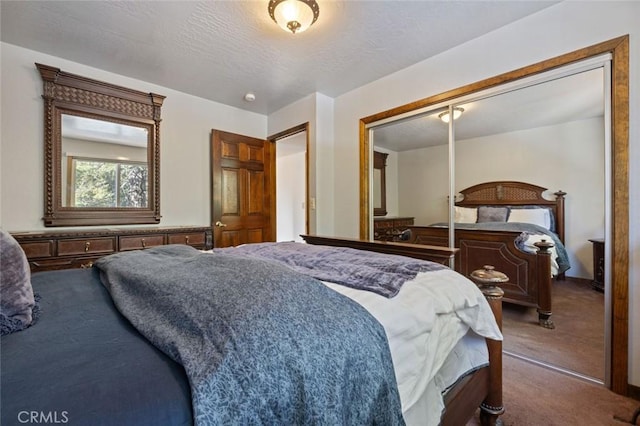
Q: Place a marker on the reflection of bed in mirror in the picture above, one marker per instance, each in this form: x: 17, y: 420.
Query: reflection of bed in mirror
x: 511, y: 226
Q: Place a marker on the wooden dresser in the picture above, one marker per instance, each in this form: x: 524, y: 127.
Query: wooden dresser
x: 390, y: 228
x: 79, y: 249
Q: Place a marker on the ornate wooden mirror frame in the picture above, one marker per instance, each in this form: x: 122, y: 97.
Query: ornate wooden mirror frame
x: 619, y: 50
x: 380, y: 164
x: 66, y: 93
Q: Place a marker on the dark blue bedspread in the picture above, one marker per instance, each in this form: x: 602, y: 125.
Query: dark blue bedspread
x: 83, y: 363
x: 261, y: 344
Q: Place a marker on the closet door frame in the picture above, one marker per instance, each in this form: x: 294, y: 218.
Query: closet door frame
x: 618, y: 48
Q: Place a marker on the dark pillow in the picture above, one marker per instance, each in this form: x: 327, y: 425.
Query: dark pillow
x: 492, y: 214
x: 16, y: 294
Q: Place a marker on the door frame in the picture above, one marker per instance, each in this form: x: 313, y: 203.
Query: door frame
x: 619, y: 50
x: 304, y: 127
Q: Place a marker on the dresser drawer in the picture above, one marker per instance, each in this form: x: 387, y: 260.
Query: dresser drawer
x: 53, y: 264
x: 404, y: 222
x: 86, y: 246
x: 383, y: 224
x: 137, y: 242
x: 197, y: 239
x: 37, y: 249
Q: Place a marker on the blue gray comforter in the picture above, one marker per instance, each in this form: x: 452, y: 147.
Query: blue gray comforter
x: 383, y: 274
x: 261, y: 344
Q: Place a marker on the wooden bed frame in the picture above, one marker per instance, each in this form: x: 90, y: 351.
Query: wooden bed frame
x: 483, y: 388
x: 529, y: 274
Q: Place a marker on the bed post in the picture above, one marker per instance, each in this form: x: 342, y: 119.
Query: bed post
x: 560, y: 214
x: 543, y: 261
x: 560, y: 220
x: 492, y: 407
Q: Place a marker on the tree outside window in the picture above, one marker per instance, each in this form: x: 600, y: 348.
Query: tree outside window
x: 107, y: 183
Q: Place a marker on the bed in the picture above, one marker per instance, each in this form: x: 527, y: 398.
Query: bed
x: 522, y: 234
x: 89, y: 356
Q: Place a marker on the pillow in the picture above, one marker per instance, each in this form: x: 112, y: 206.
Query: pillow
x: 16, y: 294
x: 466, y: 215
x: 538, y: 217
x: 552, y: 220
x: 492, y: 214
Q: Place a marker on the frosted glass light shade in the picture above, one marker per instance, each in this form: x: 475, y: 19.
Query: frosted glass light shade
x: 294, y: 16
x: 457, y: 112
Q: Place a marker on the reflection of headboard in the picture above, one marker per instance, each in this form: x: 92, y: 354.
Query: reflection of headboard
x: 510, y: 193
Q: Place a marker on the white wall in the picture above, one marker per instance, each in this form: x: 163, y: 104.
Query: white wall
x: 423, y: 184
x: 554, y: 31
x: 317, y: 110
x: 290, y: 187
x: 184, y: 147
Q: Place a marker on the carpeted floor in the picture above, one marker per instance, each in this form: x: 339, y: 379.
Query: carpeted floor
x: 535, y: 396
x: 577, y: 342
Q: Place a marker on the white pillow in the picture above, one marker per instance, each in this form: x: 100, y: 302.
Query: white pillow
x: 466, y: 215
x: 538, y: 217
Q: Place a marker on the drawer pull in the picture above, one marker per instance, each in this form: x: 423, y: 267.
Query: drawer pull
x: 87, y: 265
x: 87, y: 244
x: 186, y: 239
x: 143, y: 243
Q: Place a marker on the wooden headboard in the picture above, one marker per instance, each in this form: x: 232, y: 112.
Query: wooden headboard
x: 511, y: 193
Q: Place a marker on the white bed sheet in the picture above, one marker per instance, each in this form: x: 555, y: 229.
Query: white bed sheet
x: 469, y: 354
x: 424, y: 323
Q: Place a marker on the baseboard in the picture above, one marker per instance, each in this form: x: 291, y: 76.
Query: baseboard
x: 634, y: 392
x: 584, y: 281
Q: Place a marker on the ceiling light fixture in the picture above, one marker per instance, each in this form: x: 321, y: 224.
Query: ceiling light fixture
x: 457, y: 112
x: 294, y: 15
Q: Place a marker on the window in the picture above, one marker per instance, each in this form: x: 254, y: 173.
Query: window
x: 106, y: 183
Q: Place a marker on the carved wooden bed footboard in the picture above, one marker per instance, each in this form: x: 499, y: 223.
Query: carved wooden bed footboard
x: 529, y: 274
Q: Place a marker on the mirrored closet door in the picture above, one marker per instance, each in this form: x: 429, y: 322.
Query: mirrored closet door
x: 548, y: 132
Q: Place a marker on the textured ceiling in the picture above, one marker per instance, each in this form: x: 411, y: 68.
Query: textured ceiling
x: 220, y: 50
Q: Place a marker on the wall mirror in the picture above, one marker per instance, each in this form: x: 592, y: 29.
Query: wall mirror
x: 466, y: 149
x: 102, y: 152
x: 379, y: 184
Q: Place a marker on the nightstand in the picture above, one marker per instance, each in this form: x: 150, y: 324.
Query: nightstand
x: 598, y: 263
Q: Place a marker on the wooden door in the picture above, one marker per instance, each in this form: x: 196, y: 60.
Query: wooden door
x: 242, y: 176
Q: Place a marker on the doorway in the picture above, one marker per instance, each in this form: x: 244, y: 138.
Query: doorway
x: 291, y: 191
x: 292, y: 177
